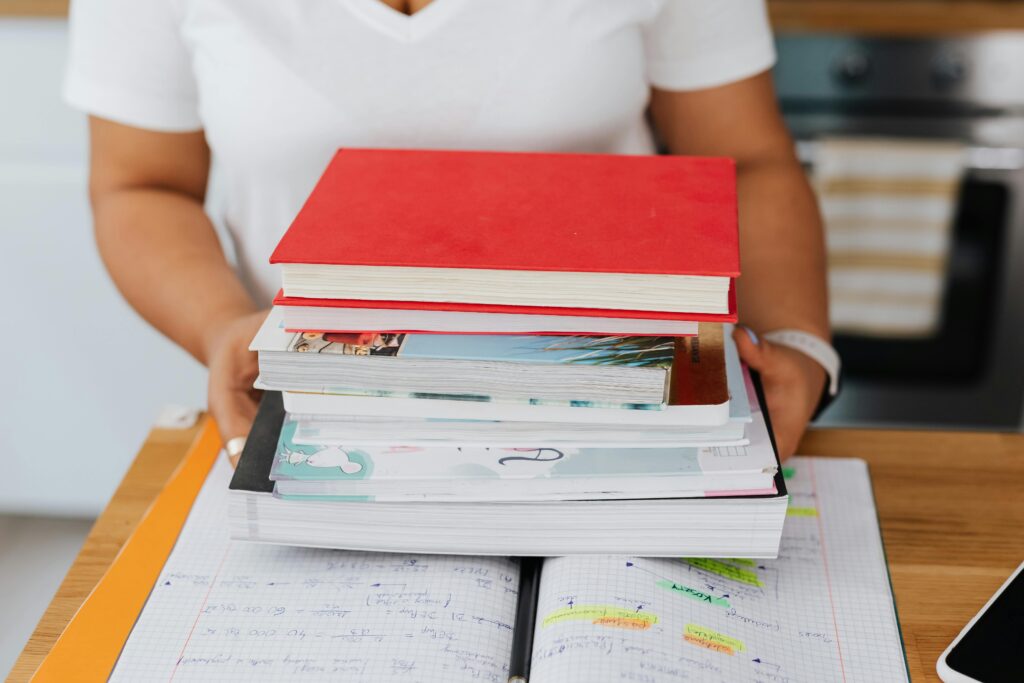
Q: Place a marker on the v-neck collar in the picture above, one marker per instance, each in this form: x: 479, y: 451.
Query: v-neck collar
x: 406, y: 28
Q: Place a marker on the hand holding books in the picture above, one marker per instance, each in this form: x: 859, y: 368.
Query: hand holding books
x: 502, y: 437
x: 231, y: 398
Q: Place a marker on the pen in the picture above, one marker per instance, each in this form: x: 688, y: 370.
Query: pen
x: 526, y: 618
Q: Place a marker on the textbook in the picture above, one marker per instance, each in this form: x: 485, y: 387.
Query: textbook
x: 726, y: 522
x: 611, y: 232
x: 512, y: 474
x: 327, y: 373
x: 320, y: 315
x: 391, y: 430
x: 823, y: 611
x: 354, y: 315
x: 612, y: 370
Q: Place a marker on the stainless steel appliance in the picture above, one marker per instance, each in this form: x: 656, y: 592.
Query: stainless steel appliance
x: 970, y: 373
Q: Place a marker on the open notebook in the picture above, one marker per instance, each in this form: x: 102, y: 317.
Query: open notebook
x: 225, y: 610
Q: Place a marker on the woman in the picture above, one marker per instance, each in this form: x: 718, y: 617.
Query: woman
x: 269, y: 90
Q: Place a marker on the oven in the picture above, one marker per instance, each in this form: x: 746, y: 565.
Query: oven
x: 969, y: 371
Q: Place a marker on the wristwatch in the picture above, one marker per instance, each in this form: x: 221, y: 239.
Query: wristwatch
x: 821, y: 351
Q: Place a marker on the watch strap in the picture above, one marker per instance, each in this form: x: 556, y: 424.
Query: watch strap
x: 814, y: 347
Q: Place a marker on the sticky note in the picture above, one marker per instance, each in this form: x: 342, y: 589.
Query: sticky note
x: 788, y: 472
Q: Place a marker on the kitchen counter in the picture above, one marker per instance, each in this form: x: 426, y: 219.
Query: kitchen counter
x: 896, y: 17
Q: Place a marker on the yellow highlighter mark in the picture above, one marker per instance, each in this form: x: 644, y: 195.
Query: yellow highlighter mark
x: 712, y: 640
x: 801, y: 512
x: 742, y: 561
x: 708, y: 645
x: 602, y: 615
x: 629, y: 623
x: 726, y: 571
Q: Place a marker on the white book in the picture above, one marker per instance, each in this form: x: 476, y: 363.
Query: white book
x: 724, y: 523
x: 371, y: 430
x: 515, y: 474
x: 338, y: 404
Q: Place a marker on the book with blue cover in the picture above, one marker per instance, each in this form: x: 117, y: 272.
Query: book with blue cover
x: 624, y: 351
x: 370, y: 430
x: 646, y: 373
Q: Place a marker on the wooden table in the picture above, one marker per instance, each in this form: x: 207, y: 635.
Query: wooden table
x: 951, y: 506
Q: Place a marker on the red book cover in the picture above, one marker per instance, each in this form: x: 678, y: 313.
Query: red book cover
x: 520, y: 211
x: 282, y: 300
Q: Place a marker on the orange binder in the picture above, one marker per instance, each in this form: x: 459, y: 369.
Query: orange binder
x: 88, y: 648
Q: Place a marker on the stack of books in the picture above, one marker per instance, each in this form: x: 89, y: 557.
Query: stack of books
x: 515, y: 354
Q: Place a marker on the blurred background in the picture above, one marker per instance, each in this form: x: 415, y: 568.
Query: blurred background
x: 909, y: 117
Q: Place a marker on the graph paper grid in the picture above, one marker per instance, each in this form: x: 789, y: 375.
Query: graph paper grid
x: 823, y: 611
x: 228, y: 611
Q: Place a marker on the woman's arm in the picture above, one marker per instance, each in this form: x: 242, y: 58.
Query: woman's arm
x: 782, y: 246
x: 147, y: 192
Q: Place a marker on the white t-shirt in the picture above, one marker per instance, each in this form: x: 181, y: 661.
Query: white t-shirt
x: 278, y: 85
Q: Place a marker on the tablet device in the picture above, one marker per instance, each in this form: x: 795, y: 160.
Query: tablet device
x: 990, y: 648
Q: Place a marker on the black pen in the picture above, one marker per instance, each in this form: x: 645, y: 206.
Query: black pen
x: 526, y: 619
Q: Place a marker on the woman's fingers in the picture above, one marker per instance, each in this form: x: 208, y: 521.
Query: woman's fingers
x: 233, y: 368
x: 752, y: 349
x: 233, y: 409
x: 791, y: 383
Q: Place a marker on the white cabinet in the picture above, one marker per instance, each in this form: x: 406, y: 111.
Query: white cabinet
x: 82, y: 377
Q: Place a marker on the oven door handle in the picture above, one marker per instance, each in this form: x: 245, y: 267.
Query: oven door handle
x: 978, y: 158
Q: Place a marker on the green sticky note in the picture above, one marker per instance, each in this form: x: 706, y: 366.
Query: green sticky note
x: 788, y: 472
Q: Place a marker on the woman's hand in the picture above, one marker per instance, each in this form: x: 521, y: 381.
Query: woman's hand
x: 792, y: 385
x: 233, y: 369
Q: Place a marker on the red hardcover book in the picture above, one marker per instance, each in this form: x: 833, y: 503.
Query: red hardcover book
x: 487, y: 318
x: 730, y: 317
x: 496, y: 211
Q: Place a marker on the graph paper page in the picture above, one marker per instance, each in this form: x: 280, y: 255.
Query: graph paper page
x: 823, y: 611
x: 227, y: 611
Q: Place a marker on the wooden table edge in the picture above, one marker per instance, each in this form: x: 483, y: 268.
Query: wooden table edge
x: 157, y: 459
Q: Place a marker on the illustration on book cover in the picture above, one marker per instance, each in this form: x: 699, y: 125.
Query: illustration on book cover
x: 348, y: 344
x: 641, y: 352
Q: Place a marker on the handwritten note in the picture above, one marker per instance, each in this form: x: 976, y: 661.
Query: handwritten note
x: 821, y: 612
x: 232, y: 611
x: 238, y: 612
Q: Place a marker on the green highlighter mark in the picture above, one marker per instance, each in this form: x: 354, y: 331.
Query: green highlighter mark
x: 788, y: 472
x: 693, y: 593
x: 726, y: 571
